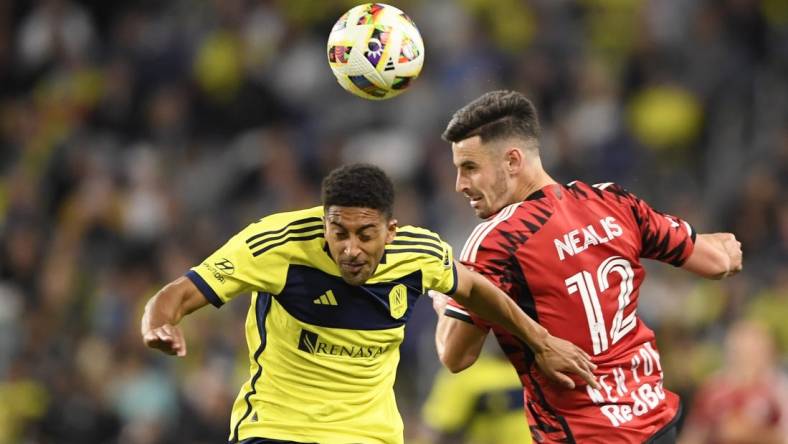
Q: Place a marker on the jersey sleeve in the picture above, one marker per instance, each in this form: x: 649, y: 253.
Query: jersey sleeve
x: 237, y: 268
x: 439, y: 272
x: 664, y: 237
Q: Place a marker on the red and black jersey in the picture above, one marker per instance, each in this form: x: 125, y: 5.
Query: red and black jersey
x: 570, y: 257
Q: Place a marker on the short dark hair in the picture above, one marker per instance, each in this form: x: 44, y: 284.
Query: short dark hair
x: 494, y: 115
x: 359, y: 185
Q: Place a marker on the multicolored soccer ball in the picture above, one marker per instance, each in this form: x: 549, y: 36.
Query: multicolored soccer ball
x: 375, y: 51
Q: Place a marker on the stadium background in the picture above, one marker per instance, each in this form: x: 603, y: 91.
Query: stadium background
x: 136, y: 136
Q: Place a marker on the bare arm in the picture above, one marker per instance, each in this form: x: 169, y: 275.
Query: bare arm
x: 715, y: 256
x: 163, y: 312
x: 554, y: 356
x: 479, y: 295
x: 458, y: 343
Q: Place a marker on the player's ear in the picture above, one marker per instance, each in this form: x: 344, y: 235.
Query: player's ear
x: 514, y: 159
x: 391, y: 230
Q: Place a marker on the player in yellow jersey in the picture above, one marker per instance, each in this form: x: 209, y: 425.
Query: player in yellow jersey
x: 486, y: 404
x: 332, y: 288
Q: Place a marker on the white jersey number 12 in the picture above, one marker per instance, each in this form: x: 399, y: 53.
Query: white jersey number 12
x: 583, y: 283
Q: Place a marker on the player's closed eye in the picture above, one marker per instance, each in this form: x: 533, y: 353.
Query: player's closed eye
x: 468, y: 166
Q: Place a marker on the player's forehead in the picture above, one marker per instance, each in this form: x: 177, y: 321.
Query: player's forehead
x: 354, y: 218
x: 471, y: 150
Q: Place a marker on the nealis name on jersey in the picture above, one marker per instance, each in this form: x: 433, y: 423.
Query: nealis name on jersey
x: 578, y: 240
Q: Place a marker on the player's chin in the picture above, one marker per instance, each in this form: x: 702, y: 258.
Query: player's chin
x: 482, y: 213
x: 355, y: 278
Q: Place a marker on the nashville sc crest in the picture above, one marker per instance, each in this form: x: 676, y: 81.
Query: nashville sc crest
x: 398, y: 301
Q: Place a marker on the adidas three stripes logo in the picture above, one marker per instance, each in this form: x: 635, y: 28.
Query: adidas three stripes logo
x: 326, y: 298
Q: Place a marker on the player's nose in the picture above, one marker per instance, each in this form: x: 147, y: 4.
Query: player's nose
x: 461, y: 184
x: 351, y: 248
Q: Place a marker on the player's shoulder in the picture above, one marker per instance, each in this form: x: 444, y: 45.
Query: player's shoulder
x: 283, y: 230
x: 418, y: 242
x: 418, y: 233
x: 602, y: 190
x: 298, y: 217
x: 487, y: 232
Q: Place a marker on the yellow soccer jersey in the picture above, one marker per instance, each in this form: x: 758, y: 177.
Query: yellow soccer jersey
x: 483, y: 404
x: 323, y: 354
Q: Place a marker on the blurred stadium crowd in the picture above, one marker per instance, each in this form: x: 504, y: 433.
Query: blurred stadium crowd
x: 136, y: 136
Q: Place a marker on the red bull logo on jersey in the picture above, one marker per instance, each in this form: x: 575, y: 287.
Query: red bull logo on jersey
x: 632, y: 390
x: 580, y: 239
x: 311, y: 343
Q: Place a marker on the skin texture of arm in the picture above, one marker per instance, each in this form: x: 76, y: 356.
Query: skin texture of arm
x: 715, y: 256
x: 163, y: 312
x: 554, y: 356
x: 464, y: 340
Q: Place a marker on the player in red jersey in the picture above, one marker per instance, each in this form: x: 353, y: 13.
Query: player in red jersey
x: 570, y: 256
x: 747, y: 400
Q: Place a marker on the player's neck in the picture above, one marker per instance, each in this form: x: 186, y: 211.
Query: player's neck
x: 534, y: 183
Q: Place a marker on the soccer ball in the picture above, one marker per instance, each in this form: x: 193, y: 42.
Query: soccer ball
x: 375, y: 51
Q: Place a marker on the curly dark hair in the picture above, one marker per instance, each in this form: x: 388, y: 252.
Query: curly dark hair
x: 494, y: 115
x: 359, y: 185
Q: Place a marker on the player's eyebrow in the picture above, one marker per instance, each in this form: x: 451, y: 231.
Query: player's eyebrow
x: 360, y: 229
x: 338, y: 224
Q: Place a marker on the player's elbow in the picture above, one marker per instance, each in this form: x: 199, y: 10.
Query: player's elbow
x: 456, y: 361
x: 455, y: 365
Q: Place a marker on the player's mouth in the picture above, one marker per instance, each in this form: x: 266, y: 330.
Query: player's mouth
x: 353, y: 267
x: 474, y: 201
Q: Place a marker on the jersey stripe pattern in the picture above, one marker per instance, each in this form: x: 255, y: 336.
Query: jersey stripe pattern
x: 300, y: 230
x: 322, y: 353
x: 570, y: 256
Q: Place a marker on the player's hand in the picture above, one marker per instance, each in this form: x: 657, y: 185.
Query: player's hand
x: 167, y: 338
x: 439, y: 301
x: 732, y: 248
x: 559, y: 357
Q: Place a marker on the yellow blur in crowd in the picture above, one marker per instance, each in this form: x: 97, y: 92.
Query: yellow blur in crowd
x: 481, y: 405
